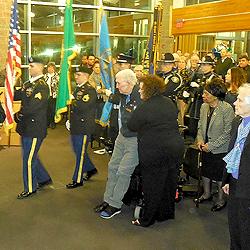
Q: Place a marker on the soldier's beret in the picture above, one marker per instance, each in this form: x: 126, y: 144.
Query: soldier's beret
x: 83, y: 69
x: 37, y: 59
x: 207, y: 60
x: 122, y: 58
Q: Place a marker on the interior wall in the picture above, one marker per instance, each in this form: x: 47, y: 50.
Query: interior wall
x: 227, y: 15
x: 4, y: 30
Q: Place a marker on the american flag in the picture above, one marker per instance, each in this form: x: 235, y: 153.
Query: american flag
x: 13, y: 65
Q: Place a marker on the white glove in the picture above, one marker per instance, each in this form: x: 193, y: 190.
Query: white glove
x: 185, y: 94
x: 67, y: 124
x: 72, y: 97
x: 194, y: 84
x: 108, y: 92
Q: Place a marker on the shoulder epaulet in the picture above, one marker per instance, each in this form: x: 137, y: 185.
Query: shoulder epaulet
x: 88, y: 85
x: 41, y: 81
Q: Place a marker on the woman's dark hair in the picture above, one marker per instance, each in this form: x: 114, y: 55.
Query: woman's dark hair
x: 216, y: 87
x: 152, y: 85
x: 238, y: 77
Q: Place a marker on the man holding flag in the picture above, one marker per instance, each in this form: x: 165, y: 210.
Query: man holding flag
x: 13, y: 65
x: 69, y: 52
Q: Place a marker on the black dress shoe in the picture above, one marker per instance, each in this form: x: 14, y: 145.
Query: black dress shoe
x: 43, y: 184
x: 218, y: 207
x: 24, y: 195
x: 202, y: 199
x: 74, y: 185
x: 101, y: 207
x: 89, y: 174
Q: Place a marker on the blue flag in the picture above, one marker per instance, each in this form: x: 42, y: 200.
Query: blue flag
x: 151, y: 54
x: 106, y: 66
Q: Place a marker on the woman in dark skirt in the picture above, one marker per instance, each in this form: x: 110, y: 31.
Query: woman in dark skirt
x: 213, y: 138
x: 160, y: 148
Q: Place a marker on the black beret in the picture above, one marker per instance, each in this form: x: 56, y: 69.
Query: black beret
x: 122, y: 58
x: 83, y: 69
x: 207, y: 60
x: 37, y: 59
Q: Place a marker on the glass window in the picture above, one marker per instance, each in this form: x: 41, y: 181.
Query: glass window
x: 191, y: 2
x: 120, y: 22
x: 127, y: 45
x: 207, y: 1
x: 133, y: 4
x: 50, y: 45
x: 24, y: 48
x: 51, y: 18
x: 85, y: 2
x: 23, y: 20
x: 47, y: 45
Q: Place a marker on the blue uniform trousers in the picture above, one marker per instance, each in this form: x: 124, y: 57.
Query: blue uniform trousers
x: 33, y: 170
x: 83, y: 162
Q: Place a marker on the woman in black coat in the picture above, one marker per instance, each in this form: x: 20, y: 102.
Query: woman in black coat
x: 160, y: 149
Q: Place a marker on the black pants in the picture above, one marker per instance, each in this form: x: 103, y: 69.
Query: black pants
x: 51, y: 110
x: 239, y: 221
x: 159, y: 181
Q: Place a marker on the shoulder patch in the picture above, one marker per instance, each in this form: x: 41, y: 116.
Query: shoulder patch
x: 38, y: 96
x: 86, y: 98
x: 175, y: 79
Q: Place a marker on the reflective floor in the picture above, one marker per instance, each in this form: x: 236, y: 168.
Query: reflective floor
x: 57, y: 218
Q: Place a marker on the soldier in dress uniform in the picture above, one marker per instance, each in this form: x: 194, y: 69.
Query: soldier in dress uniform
x: 172, y: 79
x: 196, y: 90
x: 82, y: 124
x: 32, y: 127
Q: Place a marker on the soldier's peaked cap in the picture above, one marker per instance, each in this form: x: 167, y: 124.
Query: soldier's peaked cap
x: 207, y: 60
x: 122, y: 58
x: 37, y: 59
x: 168, y: 58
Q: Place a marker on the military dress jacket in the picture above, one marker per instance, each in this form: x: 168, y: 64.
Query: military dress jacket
x: 173, y: 84
x: 32, y: 117
x: 82, y: 110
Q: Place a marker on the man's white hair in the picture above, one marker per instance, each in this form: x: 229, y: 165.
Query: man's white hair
x: 128, y: 76
x: 246, y: 89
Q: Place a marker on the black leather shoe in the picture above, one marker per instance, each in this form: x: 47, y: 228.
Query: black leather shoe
x: 24, y: 195
x: 43, y: 184
x: 89, y: 174
x: 101, y: 207
x: 202, y: 199
x: 74, y: 185
x: 218, y: 207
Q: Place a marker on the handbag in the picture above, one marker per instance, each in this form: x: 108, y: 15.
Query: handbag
x: 192, y: 162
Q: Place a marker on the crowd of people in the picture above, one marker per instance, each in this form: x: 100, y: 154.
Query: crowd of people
x: 204, y: 94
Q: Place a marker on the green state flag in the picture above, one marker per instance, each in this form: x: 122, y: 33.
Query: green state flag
x: 67, y: 55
